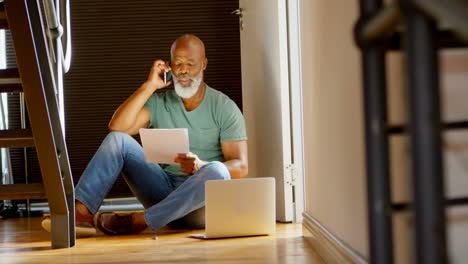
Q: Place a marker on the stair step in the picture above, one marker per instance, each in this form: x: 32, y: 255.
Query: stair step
x: 446, y: 38
x: 3, y: 19
x: 10, y: 88
x: 11, y: 73
x: 399, y: 129
x: 10, y: 81
x: 22, y: 191
x: 16, y: 138
x: 404, y: 206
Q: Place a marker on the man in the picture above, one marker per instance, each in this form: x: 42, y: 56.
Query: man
x: 168, y: 192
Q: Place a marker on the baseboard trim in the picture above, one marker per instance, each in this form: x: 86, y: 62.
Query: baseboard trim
x: 327, y: 245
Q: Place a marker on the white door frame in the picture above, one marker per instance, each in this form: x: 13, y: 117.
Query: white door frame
x: 286, y: 114
x: 295, y: 87
x: 271, y: 91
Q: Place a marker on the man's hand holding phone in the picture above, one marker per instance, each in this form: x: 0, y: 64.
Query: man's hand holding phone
x: 167, y: 77
x: 160, y: 75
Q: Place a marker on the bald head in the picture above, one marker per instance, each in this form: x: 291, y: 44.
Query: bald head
x: 191, y: 43
x: 188, y: 62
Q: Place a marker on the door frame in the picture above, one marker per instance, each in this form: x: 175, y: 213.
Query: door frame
x: 296, y: 105
x: 272, y: 103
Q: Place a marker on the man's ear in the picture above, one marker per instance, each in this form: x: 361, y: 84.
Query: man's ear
x: 205, y: 62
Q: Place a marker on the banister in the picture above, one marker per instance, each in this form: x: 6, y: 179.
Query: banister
x: 57, y: 31
x: 454, y: 12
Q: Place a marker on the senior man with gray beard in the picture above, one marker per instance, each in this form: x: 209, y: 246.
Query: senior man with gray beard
x: 168, y: 192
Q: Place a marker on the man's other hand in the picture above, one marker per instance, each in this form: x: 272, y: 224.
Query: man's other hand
x: 189, y: 162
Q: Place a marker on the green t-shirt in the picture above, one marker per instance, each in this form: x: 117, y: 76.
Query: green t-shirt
x: 217, y: 119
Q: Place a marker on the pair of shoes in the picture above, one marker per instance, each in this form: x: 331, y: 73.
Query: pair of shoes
x: 84, y: 225
x: 118, y: 224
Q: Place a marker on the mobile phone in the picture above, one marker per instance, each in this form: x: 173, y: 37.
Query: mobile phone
x: 167, y: 77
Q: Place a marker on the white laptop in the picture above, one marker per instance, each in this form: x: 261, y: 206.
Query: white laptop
x: 240, y: 207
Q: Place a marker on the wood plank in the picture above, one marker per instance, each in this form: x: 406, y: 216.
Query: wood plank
x: 9, y: 76
x: 10, y: 81
x: 22, y: 191
x: 23, y: 241
x: 10, y: 88
x: 11, y: 73
x: 16, y: 138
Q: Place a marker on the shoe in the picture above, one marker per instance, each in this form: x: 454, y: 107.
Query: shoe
x: 84, y: 225
x: 118, y: 224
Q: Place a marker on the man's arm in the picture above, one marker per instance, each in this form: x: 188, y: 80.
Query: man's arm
x: 235, y: 153
x: 132, y: 115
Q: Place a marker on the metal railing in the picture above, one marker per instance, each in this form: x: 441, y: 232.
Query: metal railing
x: 59, y: 35
x: 385, y: 20
x: 419, y: 28
x: 56, y: 31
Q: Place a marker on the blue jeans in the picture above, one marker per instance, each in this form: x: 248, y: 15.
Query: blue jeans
x: 164, y: 198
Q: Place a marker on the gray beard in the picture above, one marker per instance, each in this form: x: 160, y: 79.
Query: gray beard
x: 187, y: 91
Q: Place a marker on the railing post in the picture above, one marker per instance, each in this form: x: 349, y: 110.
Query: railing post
x: 378, y: 171
x: 425, y: 127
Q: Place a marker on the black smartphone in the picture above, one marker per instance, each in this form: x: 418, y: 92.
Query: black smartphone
x: 167, y: 77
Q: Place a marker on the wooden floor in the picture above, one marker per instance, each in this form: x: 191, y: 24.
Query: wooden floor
x: 23, y: 241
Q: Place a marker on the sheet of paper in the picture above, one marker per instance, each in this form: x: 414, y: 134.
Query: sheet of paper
x: 162, y: 145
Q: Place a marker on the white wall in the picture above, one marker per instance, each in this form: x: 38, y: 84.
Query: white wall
x: 334, y: 131
x: 333, y: 121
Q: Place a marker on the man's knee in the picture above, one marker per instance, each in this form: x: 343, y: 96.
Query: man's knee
x: 117, y: 138
x: 215, y: 170
x: 115, y: 135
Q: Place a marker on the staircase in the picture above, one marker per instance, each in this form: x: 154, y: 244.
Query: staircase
x: 36, y: 79
x: 419, y: 29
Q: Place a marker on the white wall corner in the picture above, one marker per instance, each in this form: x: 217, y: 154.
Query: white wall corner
x: 327, y: 245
